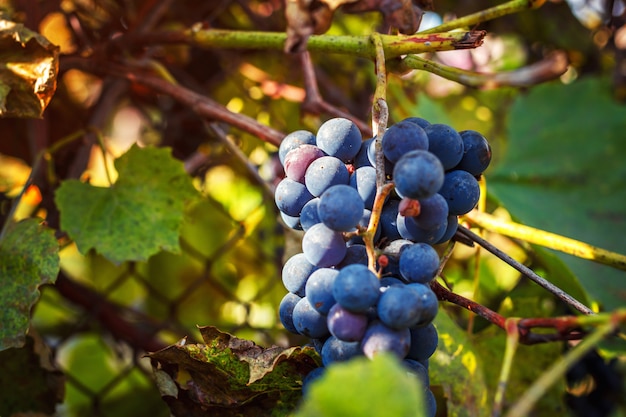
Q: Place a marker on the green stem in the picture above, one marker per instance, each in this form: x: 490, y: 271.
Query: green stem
x: 510, y: 7
x: 361, y: 46
x: 547, y: 239
x: 525, y: 404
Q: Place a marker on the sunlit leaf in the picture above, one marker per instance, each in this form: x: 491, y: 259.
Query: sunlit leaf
x: 564, y: 173
x: 29, y: 258
x: 29, y: 65
x: 363, y: 388
x: 137, y: 216
x: 231, y: 376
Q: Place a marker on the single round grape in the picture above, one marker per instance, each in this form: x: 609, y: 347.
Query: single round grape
x: 319, y: 289
x: 325, y: 172
x: 356, y: 288
x: 291, y: 196
x: 399, y: 307
x: 299, y: 159
x: 409, y: 229
x: 433, y: 212
x: 424, y: 341
x: 295, y: 273
x: 346, y: 325
x: 476, y: 153
x: 419, y: 263
x: 364, y: 181
x: 340, y: 138
x: 418, y: 174
x: 379, y: 338
x: 309, y: 215
x: 430, y: 304
x: 285, y: 311
x: 418, y: 121
x: 292, y: 141
x: 461, y: 191
x: 401, y: 138
x: 340, y: 208
x: 335, y: 350
x: 445, y: 143
x: 323, y: 247
x: 308, y: 321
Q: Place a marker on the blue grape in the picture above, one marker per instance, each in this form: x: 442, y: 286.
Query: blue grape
x: 388, y: 220
x: 431, y: 404
x: 401, y: 138
x: 308, y: 321
x: 356, y: 288
x: 445, y: 143
x: 461, y: 191
x: 292, y: 141
x: 309, y: 215
x: 409, y: 229
x: 298, y: 160
x: 364, y: 181
x: 346, y: 325
x: 356, y: 254
x: 433, y: 212
x: 323, y: 247
x: 293, y: 222
x: 379, y: 338
x: 340, y: 208
x: 418, y: 174
x: 419, y: 263
x: 399, y: 307
x: 430, y: 304
x: 285, y: 311
x: 319, y: 289
x: 476, y: 153
x: 453, y: 225
x: 295, y: 273
x: 386, y: 282
x: 424, y: 341
x: 325, y: 172
x: 340, y: 138
x: 291, y: 196
x: 371, y: 156
x: 335, y: 350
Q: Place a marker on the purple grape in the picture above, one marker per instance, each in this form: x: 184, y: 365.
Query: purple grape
x: 379, y: 338
x: 399, y: 307
x: 308, y: 321
x: 461, y: 191
x: 295, y: 273
x: 476, y: 153
x: 356, y: 288
x: 299, y: 159
x: 419, y: 263
x: 335, y: 350
x: 445, y: 143
x: 345, y: 325
x: 340, y: 208
x: 291, y: 196
x: 424, y: 341
x: 433, y: 212
x: 430, y: 303
x: 292, y: 141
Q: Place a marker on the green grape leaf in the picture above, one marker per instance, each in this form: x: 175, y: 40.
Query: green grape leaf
x: 362, y: 387
x: 29, y: 258
x: 29, y: 383
x: 563, y: 172
x: 29, y: 65
x: 137, y: 216
x: 231, y: 376
x: 457, y: 367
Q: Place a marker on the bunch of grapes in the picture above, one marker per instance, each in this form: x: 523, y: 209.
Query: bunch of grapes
x: 329, y: 192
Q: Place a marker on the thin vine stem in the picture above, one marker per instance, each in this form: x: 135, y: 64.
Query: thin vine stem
x: 512, y: 342
x: 529, y: 273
